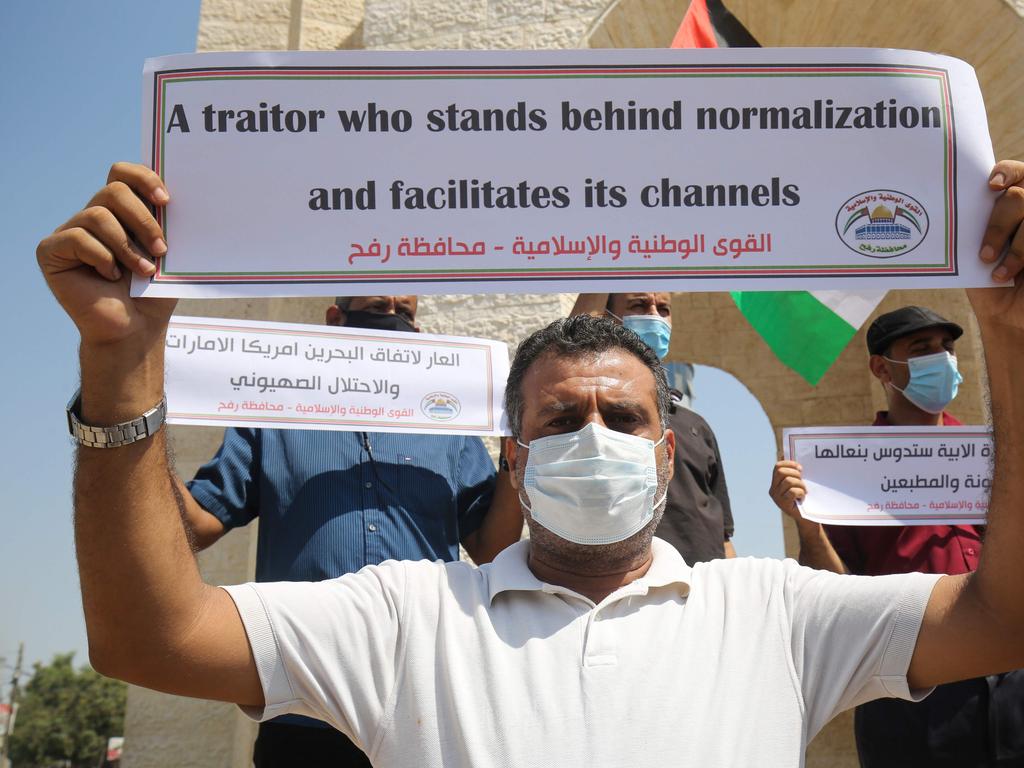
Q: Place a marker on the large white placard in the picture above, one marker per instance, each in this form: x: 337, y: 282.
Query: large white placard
x: 276, y: 375
x: 472, y: 172
x: 893, y: 475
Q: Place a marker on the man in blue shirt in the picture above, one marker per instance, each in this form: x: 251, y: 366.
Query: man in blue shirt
x: 332, y: 502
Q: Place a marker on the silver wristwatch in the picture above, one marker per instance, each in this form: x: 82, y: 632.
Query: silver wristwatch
x: 125, y: 433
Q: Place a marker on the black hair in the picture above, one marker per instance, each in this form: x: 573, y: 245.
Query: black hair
x: 575, y: 337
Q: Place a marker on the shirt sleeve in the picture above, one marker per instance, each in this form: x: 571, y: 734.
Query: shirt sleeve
x: 227, y: 486
x: 717, y: 486
x: 475, y: 485
x: 330, y: 650
x: 853, y: 637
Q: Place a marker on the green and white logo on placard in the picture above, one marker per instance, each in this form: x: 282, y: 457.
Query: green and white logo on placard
x: 882, y: 223
x: 440, y: 406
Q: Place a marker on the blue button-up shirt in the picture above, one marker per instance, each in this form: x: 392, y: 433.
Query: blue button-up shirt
x: 332, y: 502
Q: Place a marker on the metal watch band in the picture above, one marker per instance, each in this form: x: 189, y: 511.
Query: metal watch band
x: 115, y: 436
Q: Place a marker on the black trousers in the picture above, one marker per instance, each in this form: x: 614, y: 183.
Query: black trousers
x: 282, y: 745
x: 971, y: 724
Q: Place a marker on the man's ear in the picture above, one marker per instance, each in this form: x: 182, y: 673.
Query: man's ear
x: 879, y: 368
x: 670, y: 449
x: 512, y: 457
x: 335, y: 315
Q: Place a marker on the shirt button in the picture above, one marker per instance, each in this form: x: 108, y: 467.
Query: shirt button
x: 371, y: 527
x: 368, y: 485
x: 970, y: 550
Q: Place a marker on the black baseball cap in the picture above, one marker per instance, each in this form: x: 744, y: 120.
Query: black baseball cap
x: 905, y: 320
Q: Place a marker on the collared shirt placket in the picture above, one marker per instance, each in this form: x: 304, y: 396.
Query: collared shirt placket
x: 370, y: 512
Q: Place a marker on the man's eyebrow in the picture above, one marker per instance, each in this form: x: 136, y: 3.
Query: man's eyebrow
x: 558, y: 406
x: 627, y: 405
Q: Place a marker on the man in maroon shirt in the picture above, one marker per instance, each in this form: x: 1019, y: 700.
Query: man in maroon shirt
x: 971, y: 723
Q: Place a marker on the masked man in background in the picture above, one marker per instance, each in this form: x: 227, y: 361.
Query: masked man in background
x: 977, y: 722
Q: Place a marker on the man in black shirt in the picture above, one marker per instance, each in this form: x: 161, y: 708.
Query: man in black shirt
x: 698, y: 519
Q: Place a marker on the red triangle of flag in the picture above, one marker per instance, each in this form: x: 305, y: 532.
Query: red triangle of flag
x: 696, y: 31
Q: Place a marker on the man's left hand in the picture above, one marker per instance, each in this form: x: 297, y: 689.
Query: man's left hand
x: 1004, y: 233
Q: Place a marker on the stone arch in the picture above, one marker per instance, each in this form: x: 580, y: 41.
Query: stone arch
x: 709, y: 328
x: 731, y: 409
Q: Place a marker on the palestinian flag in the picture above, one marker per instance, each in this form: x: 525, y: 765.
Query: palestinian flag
x: 807, y: 330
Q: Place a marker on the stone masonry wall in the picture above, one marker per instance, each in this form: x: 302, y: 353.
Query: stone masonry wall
x: 479, y: 24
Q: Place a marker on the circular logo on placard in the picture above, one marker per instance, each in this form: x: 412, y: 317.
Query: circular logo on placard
x: 882, y: 223
x: 440, y: 406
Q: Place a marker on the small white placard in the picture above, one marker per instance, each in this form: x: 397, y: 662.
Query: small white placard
x: 893, y: 475
x: 277, y: 375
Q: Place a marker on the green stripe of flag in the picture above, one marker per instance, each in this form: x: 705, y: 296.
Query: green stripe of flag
x: 803, y: 333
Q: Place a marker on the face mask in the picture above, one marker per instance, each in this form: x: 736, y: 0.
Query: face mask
x: 378, y: 321
x: 653, y: 330
x: 595, y: 486
x: 934, y: 380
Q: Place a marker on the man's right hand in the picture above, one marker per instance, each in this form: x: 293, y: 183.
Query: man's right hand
x: 88, y: 261
x: 788, y: 488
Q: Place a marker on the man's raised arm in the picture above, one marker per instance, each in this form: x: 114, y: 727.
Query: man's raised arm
x: 150, y: 618
x: 974, y: 624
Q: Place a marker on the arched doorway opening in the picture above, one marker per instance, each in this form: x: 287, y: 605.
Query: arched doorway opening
x: 746, y: 441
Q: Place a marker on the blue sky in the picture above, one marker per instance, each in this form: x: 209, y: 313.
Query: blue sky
x: 71, y: 95
x: 71, y: 99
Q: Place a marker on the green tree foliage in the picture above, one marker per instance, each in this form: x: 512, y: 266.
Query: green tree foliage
x: 66, y: 716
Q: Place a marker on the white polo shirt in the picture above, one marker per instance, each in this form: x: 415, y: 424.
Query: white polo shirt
x: 729, y: 663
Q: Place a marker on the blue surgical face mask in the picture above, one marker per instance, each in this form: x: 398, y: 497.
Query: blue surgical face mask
x: 653, y: 330
x: 594, y: 486
x: 934, y: 381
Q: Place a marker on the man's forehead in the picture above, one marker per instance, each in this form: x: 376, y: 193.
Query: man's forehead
x: 363, y: 300
x: 611, y: 371
x: 657, y: 297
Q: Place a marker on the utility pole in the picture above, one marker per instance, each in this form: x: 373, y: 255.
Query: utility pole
x: 12, y: 700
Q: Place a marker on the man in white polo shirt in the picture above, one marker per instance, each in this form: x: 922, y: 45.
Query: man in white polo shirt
x: 590, y: 644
